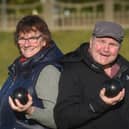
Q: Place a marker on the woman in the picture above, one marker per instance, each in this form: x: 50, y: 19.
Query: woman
x: 37, y: 70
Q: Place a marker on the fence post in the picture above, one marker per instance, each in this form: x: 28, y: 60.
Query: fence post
x: 48, y: 8
x: 4, y: 15
x: 109, y: 10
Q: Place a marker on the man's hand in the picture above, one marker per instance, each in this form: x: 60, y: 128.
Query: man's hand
x: 113, y: 100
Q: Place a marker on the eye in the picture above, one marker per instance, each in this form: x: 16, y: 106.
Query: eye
x: 32, y: 39
x: 114, y: 44
x: 21, y: 40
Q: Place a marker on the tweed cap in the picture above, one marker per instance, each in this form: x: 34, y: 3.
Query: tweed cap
x: 109, y: 29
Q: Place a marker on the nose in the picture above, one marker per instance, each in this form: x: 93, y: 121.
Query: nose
x: 27, y: 43
x: 106, y: 47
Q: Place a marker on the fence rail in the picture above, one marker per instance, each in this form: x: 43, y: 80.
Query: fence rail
x: 68, y: 16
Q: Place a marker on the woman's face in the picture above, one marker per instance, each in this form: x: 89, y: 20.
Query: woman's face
x: 30, y: 43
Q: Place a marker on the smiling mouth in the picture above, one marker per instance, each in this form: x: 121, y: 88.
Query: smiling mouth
x: 105, y: 55
x: 29, y: 49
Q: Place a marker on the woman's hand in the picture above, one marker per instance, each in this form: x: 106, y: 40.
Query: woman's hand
x: 17, y: 106
x: 113, y: 100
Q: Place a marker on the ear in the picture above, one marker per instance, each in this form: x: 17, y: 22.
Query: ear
x: 91, y: 42
x: 44, y: 43
x: 119, y: 47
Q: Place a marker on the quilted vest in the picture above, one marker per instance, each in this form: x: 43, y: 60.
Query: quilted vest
x: 25, y: 75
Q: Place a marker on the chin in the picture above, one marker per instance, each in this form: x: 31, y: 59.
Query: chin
x: 103, y: 63
x: 28, y: 56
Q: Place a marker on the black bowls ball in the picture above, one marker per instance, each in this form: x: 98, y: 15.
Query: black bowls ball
x: 20, y: 94
x: 113, y: 87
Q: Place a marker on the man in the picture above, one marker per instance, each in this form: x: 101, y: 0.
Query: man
x: 82, y: 101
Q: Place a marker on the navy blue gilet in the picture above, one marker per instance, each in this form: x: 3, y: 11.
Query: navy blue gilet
x: 25, y: 75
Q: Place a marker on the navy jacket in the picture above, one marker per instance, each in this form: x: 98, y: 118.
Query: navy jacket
x: 25, y: 74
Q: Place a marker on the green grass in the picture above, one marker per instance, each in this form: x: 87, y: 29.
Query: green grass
x: 69, y: 40
x: 65, y: 40
x: 8, y: 52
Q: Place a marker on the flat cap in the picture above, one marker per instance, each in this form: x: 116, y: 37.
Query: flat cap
x: 109, y: 29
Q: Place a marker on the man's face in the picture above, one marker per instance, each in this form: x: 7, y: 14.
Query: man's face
x: 104, y: 50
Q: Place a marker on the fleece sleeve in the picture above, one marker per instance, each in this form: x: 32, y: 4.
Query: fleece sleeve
x: 47, y: 90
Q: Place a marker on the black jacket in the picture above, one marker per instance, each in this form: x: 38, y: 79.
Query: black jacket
x: 79, y: 105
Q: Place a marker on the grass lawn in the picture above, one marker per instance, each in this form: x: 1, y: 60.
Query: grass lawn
x: 65, y: 40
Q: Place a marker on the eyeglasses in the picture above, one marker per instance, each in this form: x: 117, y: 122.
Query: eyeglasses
x: 30, y: 39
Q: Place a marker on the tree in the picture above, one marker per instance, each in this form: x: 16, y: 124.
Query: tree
x: 19, y: 1
x: 77, y: 1
x: 15, y: 6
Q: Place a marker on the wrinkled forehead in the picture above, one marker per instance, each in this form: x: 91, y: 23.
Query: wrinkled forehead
x: 106, y: 39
